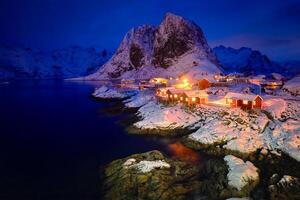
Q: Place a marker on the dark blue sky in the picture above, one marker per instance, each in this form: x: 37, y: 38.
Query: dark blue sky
x: 271, y: 26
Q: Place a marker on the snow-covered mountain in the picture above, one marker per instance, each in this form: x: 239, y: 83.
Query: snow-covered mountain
x: 244, y: 60
x: 290, y: 68
x: 20, y: 63
x: 171, y: 49
x: 252, y: 62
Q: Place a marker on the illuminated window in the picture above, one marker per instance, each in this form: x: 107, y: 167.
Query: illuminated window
x: 193, y: 99
x: 171, y: 96
x: 186, y: 99
x: 254, y: 103
x: 175, y: 95
x: 181, y: 98
x: 245, y: 102
x: 229, y: 100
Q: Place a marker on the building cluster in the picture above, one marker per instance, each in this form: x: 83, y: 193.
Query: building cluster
x: 183, y: 91
x: 197, y: 94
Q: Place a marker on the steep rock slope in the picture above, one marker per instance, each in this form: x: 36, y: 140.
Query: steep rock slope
x: 171, y: 49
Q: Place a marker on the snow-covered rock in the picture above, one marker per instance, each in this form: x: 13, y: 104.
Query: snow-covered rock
x: 20, y: 63
x: 110, y: 93
x: 236, y: 130
x: 142, y: 98
x: 145, y: 166
x: 293, y: 86
x: 275, y: 106
x: 157, y: 116
x: 171, y: 49
x: 240, y: 173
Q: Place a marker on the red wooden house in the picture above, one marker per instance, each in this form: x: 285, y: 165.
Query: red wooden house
x: 248, y: 101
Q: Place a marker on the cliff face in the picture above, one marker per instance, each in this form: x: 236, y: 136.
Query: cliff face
x: 172, y: 48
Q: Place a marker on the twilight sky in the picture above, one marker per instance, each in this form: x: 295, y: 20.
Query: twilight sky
x: 271, y: 26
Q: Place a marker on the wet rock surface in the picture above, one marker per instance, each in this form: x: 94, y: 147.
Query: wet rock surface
x: 152, y: 175
x: 125, y: 179
x: 287, y: 187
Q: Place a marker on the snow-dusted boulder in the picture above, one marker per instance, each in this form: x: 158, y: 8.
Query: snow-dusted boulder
x: 111, y: 93
x: 242, y: 175
x: 149, y: 175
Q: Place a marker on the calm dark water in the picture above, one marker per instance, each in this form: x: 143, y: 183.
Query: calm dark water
x: 54, y: 140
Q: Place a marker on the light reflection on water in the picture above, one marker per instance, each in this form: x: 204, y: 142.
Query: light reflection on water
x: 183, y: 153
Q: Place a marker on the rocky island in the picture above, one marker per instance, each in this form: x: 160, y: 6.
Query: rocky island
x: 243, y: 135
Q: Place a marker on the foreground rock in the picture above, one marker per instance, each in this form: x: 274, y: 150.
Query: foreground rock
x: 104, y: 92
x: 287, y: 187
x: 149, y: 176
x: 242, y: 176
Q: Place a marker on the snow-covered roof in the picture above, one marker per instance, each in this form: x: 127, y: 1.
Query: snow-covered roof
x: 195, y: 93
x: 249, y: 97
x: 165, y: 89
x: 176, y: 91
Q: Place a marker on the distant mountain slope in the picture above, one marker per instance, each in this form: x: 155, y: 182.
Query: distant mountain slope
x: 170, y: 49
x: 20, y: 63
x: 244, y: 60
x: 252, y: 62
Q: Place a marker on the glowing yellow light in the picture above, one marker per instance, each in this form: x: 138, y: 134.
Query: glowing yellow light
x: 175, y: 95
x: 181, y: 98
x: 254, y: 103
x: 245, y: 102
x: 194, y: 99
x: 186, y: 99
x: 230, y: 100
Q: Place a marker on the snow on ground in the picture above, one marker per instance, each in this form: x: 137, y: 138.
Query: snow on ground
x: 145, y: 166
x: 239, y: 131
x: 283, y: 133
x: 275, y: 106
x: 291, y: 144
x: 293, y: 86
x: 240, y: 173
x: 109, y: 93
x: 157, y: 116
x: 142, y: 98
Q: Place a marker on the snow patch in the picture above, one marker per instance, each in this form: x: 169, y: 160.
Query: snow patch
x: 240, y: 173
x: 145, y: 166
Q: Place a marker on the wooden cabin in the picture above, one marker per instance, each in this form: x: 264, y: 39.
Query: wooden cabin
x: 162, y: 94
x: 175, y: 94
x: 248, y: 101
x: 192, y: 97
x: 159, y: 81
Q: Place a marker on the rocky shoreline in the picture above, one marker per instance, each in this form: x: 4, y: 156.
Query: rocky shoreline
x: 146, y: 118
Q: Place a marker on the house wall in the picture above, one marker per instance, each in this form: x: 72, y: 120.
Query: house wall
x: 258, y: 103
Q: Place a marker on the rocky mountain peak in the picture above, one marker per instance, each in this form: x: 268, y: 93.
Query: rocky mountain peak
x: 176, y: 41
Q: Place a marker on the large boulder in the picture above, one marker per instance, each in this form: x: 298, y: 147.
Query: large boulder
x: 149, y: 175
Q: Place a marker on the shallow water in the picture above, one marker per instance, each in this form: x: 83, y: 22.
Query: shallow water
x: 54, y: 139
